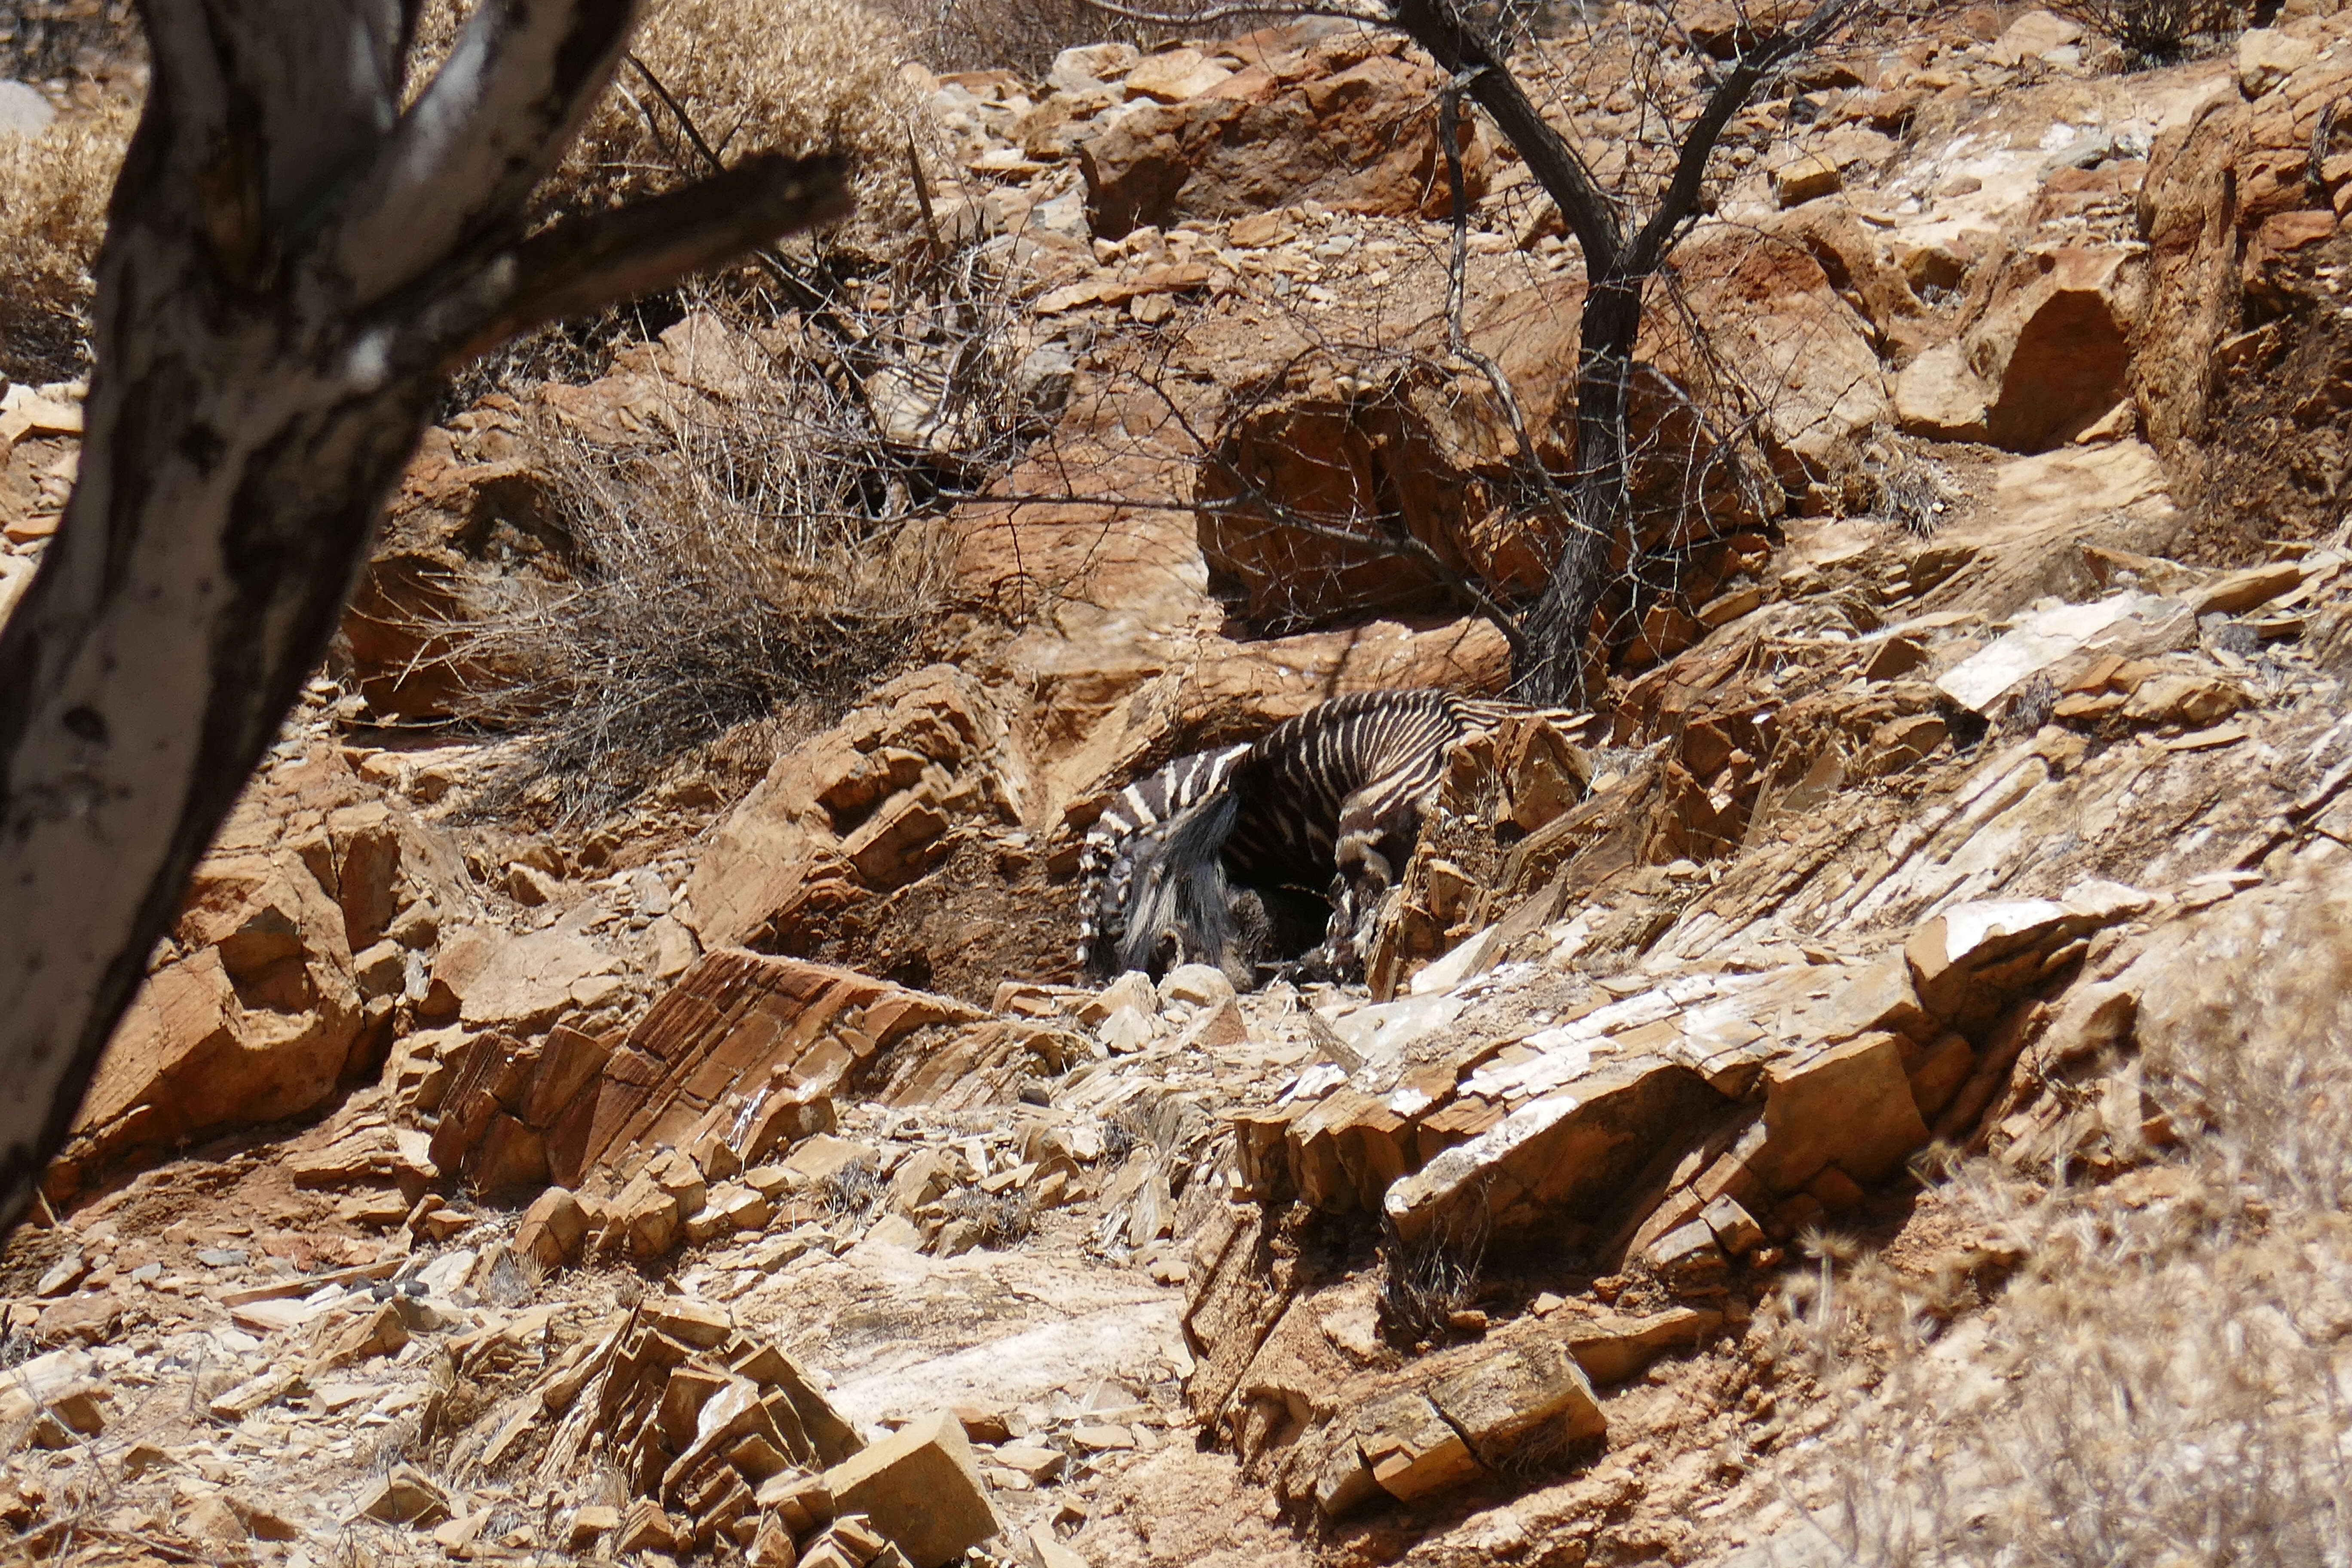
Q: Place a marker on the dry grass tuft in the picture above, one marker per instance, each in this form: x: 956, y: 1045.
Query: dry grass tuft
x: 769, y: 543
x: 2163, y: 1383
x: 2158, y: 32
x: 750, y: 76
x: 54, y: 188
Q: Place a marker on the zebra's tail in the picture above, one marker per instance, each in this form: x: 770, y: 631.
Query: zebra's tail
x: 1180, y: 902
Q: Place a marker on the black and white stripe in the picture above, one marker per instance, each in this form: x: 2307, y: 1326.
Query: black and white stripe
x: 1186, y: 863
x: 1129, y: 828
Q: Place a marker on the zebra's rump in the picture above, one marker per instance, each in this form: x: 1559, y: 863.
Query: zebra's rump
x: 1367, y: 762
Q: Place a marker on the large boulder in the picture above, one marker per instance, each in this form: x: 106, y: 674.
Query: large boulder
x: 2053, y: 348
x: 256, y: 1008
x: 1351, y: 122
x: 864, y: 808
x: 2215, y: 180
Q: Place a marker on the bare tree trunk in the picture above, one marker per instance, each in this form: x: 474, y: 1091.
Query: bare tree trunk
x: 1551, y: 670
x: 1548, y: 661
x: 291, y: 266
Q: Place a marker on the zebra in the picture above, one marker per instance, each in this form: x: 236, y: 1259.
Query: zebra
x: 1223, y: 857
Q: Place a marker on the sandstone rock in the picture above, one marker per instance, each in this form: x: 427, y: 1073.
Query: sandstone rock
x: 1411, y: 1449
x: 2054, y: 342
x: 2184, y: 698
x: 1849, y: 1105
x: 1803, y: 179
x: 859, y: 809
x: 1201, y: 984
x: 646, y: 1526
x: 1173, y: 76
x: 1612, y: 1346
x: 591, y: 1523
x: 2267, y: 57
x: 40, y: 1381
x: 406, y: 1496
x: 256, y: 1023
x: 384, y: 1332
x: 2238, y: 591
x: 1089, y: 68
x: 1938, y: 396
x: 520, y: 984
x: 1351, y: 128
x: 1525, y: 1381
x: 552, y: 1228
x: 1735, y: 1230
x: 1560, y: 1155
x: 921, y: 1487
x: 2036, y: 36
x: 738, y: 1032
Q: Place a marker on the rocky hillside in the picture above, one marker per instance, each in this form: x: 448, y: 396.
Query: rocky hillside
x: 1869, y: 1091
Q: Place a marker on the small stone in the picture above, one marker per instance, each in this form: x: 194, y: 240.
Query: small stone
x: 1126, y: 1031
x: 1735, y: 1229
x: 528, y: 885
x: 1687, y: 1255
x: 591, y: 1524
x: 552, y: 1228
x: 1805, y: 179
x: 1200, y: 984
x: 406, y: 1497
x: 645, y: 1527
x: 1038, y: 1463
x: 64, y: 1275
x: 254, y: 1392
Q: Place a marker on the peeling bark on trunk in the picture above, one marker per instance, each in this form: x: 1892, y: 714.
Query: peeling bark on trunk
x: 291, y: 266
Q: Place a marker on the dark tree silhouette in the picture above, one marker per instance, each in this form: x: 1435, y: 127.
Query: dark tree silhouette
x: 292, y: 265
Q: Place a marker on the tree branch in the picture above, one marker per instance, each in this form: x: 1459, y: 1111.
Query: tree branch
x: 582, y: 265
x: 1466, y: 53
x: 492, y: 124
x: 1729, y: 95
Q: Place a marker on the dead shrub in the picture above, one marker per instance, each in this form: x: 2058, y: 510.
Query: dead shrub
x: 54, y: 188
x: 2163, y: 1382
x: 1003, y: 1218
x: 1425, y: 1283
x: 854, y: 1191
x: 42, y: 40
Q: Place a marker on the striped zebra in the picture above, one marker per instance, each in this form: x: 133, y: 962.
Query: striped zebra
x: 1229, y: 856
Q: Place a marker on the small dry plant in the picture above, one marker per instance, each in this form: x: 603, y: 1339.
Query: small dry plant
x: 1002, y: 1218
x: 717, y: 79
x: 54, y: 187
x: 1425, y: 1283
x: 769, y: 544
x: 1019, y: 36
x: 2156, y: 32
x: 2163, y: 1383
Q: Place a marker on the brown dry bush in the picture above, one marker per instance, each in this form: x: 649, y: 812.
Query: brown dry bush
x: 741, y: 555
x: 2165, y: 1382
x: 1019, y: 36
x: 750, y: 76
x: 2156, y: 32
x: 54, y: 188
